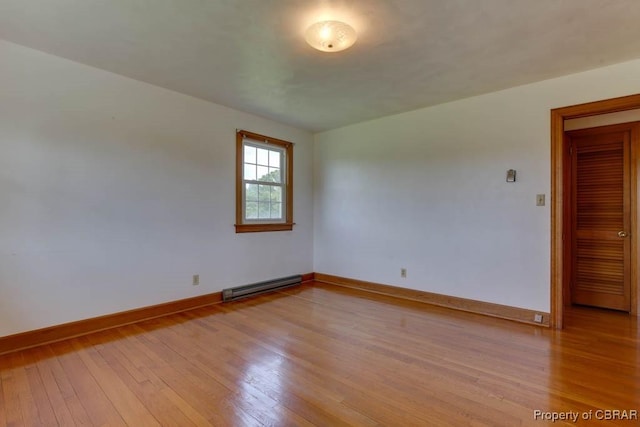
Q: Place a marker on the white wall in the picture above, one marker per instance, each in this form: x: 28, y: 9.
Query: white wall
x: 426, y: 191
x: 115, y: 192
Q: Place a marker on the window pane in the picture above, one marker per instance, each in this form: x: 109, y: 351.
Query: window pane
x: 263, y: 173
x: 250, y: 172
x: 276, y: 210
x: 251, y: 192
x: 274, y: 175
x: 276, y: 194
x: 249, y: 154
x: 251, y: 210
x: 264, y: 211
x: 274, y: 159
x: 264, y: 193
x: 263, y: 157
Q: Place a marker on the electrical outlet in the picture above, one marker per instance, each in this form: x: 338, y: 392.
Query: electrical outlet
x: 403, y: 273
x: 537, y: 318
x: 196, y: 280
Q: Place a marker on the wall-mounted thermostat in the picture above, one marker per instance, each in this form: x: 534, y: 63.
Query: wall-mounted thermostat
x: 511, y: 175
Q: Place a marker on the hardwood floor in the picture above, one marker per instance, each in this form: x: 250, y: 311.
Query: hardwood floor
x: 328, y: 356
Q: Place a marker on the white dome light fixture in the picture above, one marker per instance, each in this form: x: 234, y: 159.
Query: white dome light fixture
x: 330, y: 36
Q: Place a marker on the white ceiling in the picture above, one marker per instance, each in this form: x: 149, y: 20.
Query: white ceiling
x: 251, y: 55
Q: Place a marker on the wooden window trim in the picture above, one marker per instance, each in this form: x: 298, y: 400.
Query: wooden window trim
x: 254, y: 227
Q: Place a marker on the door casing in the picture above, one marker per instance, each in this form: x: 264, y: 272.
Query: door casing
x: 559, y: 221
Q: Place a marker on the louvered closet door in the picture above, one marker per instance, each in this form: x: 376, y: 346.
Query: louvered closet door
x: 601, y: 223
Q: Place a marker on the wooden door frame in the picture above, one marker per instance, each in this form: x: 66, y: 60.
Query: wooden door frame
x: 558, y: 212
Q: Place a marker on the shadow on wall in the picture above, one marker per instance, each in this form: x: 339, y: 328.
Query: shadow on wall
x: 9, y: 315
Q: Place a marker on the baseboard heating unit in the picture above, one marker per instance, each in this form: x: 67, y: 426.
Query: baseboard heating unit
x: 232, y: 294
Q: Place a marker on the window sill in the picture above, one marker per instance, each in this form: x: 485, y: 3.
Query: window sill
x: 257, y: 228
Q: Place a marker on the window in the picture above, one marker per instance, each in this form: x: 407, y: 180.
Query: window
x: 264, y: 183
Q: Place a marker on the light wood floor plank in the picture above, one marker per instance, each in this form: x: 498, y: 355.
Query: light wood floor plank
x: 146, y: 392
x: 322, y: 355
x: 49, y: 361
x: 28, y: 408
x: 10, y: 407
x: 3, y: 413
x: 121, y: 397
x: 87, y: 390
x: 52, y: 389
x: 37, y: 391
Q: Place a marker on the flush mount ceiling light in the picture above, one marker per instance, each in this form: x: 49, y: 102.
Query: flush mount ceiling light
x: 331, y: 36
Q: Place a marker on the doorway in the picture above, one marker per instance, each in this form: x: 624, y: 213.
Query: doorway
x: 559, y: 220
x: 600, y: 204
